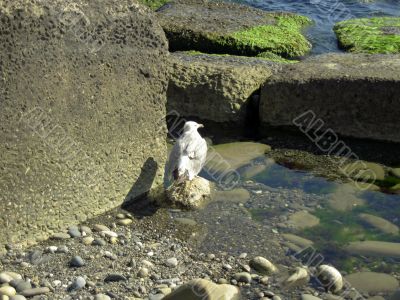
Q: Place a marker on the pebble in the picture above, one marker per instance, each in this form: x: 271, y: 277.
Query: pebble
x: 102, y: 297
x: 52, y: 249
x: 17, y: 297
x: 35, y: 291
x: 87, y: 240
x: 121, y: 216
x: 124, y: 222
x: 5, y: 278
x: 113, y: 277
x: 262, y: 265
x: 77, y: 284
x: 110, y: 255
x: 147, y: 264
x: 99, y: 242
x: 100, y: 228
x: 60, y: 236
x: 243, y: 255
x: 62, y: 249
x: 276, y: 297
x: 264, y: 280
x: 109, y: 233
x: 86, y: 229
x: 77, y: 262
x: 20, y: 285
x: 227, y: 267
x: 171, y: 262
x: 7, y: 291
x: 74, y: 232
x: 243, y: 277
x: 143, y: 272
x: 156, y: 296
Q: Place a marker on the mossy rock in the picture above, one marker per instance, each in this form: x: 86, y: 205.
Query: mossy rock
x: 370, y: 35
x: 267, y: 56
x: 220, y: 27
x: 154, y: 4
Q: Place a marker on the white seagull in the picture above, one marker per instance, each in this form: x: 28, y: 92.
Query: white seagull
x: 188, y: 155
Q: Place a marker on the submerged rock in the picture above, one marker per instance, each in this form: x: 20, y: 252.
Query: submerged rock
x: 330, y: 278
x: 345, y: 198
x: 369, y: 35
x: 374, y: 248
x: 201, y: 289
x: 298, y: 240
x: 238, y: 195
x: 190, y: 194
x: 372, y: 282
x: 231, y: 156
x: 356, y: 94
x: 221, y: 27
x: 379, y: 223
x: 302, y: 219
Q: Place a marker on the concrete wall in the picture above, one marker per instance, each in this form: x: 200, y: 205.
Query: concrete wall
x: 356, y: 95
x: 82, y: 94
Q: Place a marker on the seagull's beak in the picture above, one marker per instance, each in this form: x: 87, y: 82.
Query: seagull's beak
x: 200, y: 126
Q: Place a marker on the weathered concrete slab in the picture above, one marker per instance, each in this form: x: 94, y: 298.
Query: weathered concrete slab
x: 83, y: 88
x: 215, y: 88
x: 223, y: 27
x: 355, y: 95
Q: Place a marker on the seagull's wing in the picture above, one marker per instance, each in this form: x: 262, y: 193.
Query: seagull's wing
x: 173, y: 159
x: 198, y: 158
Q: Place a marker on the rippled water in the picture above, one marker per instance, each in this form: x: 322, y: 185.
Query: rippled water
x: 238, y: 224
x: 326, y: 13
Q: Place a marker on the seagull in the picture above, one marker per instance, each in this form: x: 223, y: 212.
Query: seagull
x: 188, y: 155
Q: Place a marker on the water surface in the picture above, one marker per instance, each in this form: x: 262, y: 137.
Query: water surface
x: 326, y: 13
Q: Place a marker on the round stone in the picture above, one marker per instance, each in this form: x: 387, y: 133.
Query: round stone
x: 124, y: 222
x: 77, y: 284
x: 102, y: 297
x: 77, y: 262
x: 7, y: 291
x: 99, y: 228
x: 143, y: 272
x: 74, y: 232
x: 171, y: 262
x: 35, y: 291
x: 243, y: 277
x: 262, y: 265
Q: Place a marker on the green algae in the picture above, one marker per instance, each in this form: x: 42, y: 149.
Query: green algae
x: 282, y: 38
x: 370, y: 35
x: 154, y: 4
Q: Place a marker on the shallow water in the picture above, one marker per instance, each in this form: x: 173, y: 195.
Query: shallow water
x: 326, y: 13
x: 235, y: 224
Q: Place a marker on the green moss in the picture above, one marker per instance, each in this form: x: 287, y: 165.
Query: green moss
x: 370, y: 35
x: 264, y: 56
x: 283, y: 38
x: 154, y: 4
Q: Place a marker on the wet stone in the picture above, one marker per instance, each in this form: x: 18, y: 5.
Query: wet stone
x: 99, y: 242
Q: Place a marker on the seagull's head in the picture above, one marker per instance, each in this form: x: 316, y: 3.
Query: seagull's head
x: 191, y: 126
